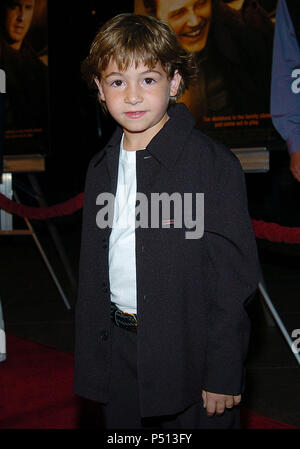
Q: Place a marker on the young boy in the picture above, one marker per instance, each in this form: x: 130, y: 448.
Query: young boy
x: 161, y: 328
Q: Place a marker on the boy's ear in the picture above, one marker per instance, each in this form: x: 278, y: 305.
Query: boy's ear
x: 100, y: 90
x: 174, y: 83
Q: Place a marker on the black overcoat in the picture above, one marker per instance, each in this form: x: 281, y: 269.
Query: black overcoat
x: 193, y: 328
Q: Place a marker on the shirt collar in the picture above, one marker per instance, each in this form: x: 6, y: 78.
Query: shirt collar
x: 167, y: 144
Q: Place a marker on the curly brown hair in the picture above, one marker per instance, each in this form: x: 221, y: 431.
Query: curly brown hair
x: 133, y: 38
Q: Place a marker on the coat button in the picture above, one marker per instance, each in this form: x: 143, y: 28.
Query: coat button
x: 104, y: 335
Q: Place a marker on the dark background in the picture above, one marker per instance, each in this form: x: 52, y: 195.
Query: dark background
x: 75, y: 117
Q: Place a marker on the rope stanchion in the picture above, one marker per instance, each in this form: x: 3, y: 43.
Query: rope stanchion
x: 272, y: 232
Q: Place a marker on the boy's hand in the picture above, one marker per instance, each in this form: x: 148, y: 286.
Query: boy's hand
x: 216, y: 403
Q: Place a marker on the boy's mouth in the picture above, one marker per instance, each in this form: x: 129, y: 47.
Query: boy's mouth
x: 135, y: 114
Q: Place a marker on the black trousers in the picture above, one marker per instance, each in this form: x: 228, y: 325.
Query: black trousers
x: 123, y: 411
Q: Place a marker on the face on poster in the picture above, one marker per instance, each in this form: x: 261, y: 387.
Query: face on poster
x: 24, y: 62
x: 18, y: 19
x: 232, y: 44
x: 190, y: 21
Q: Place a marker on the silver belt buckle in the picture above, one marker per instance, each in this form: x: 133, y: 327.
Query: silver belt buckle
x: 116, y: 318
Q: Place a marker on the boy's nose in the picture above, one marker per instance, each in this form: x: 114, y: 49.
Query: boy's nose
x: 133, y: 96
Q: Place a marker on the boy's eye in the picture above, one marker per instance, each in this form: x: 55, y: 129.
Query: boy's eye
x: 117, y: 83
x: 149, y: 81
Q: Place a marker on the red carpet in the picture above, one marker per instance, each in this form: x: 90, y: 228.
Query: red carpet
x: 36, y: 391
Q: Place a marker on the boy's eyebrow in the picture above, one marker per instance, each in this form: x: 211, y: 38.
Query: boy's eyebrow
x: 113, y: 74
x: 142, y: 73
x: 151, y: 71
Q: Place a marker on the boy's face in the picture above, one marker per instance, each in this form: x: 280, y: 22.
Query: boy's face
x: 137, y: 98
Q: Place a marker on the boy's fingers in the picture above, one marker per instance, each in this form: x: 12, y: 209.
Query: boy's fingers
x: 237, y: 399
x: 229, y: 402
x: 210, y: 402
x: 220, y: 407
x: 210, y: 407
x: 216, y: 403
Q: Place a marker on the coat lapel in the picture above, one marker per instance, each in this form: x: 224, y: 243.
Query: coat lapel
x: 112, y: 166
x: 112, y: 151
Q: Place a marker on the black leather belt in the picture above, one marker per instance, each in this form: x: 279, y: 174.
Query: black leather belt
x: 123, y: 319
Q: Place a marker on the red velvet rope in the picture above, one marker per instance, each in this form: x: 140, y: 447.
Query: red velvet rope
x: 42, y: 213
x: 262, y: 230
x: 275, y: 232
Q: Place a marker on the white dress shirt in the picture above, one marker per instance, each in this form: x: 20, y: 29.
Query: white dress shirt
x: 122, y: 263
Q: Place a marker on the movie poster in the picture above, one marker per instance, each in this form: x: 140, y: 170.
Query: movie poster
x: 24, y: 64
x: 233, y: 43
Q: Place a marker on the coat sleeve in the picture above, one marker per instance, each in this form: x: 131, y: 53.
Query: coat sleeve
x: 233, y: 275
